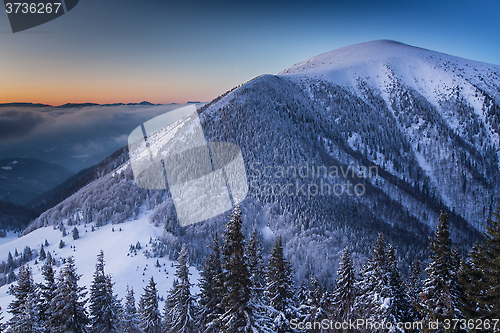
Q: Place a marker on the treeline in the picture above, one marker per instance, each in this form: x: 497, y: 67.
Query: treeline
x: 239, y: 292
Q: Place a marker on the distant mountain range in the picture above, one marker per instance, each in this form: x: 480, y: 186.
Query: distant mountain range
x: 79, y: 105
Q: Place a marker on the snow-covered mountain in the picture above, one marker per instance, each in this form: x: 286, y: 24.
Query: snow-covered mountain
x: 413, y: 131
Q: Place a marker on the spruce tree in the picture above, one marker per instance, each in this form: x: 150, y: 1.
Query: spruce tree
x: 480, y: 275
x: 345, y: 288
x: 150, y: 319
x: 317, y: 305
x: 399, y: 308
x: 67, y: 309
x: 129, y: 321
x: 180, y: 314
x: 104, y: 307
x: 47, y: 291
x: 373, y: 285
x: 256, y: 267
x: 279, y: 289
x: 437, y: 299
x: 10, y: 262
x: 211, y: 286
x: 2, y: 325
x: 75, y: 233
x: 24, y: 308
x: 239, y: 315
x: 42, y: 255
x: 415, y: 285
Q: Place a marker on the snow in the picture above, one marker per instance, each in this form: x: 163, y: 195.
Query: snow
x: 7, y: 168
x: 134, y: 271
x: 267, y: 232
x: 10, y: 236
x: 385, y: 63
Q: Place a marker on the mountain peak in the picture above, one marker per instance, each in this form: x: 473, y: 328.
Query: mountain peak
x: 378, y: 52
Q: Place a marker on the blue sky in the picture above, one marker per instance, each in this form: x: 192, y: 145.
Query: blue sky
x: 107, y: 51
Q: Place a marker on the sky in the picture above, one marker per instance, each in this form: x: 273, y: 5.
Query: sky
x: 162, y: 51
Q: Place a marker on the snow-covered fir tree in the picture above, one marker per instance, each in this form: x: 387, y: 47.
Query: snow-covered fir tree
x: 43, y: 254
x: 67, y: 309
x: 24, y: 308
x: 75, y: 233
x: 181, y: 311
x: 256, y: 266
x: 47, y: 291
x: 129, y: 320
x: 414, y: 285
x: 398, y: 307
x: 438, y: 298
x: 318, y: 302
x: 211, y: 284
x: 279, y: 289
x: 373, y: 285
x: 2, y: 325
x: 240, y: 314
x: 480, y: 274
x: 103, y: 304
x: 345, y: 292
x: 150, y: 318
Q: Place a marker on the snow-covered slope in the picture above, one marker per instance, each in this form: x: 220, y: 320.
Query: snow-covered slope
x: 444, y: 107
x: 126, y: 268
x: 436, y: 76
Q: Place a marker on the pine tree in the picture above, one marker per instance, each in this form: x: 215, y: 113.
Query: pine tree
x: 2, y: 325
x: 345, y: 288
x: 104, y: 307
x: 129, y: 320
x: 438, y: 299
x: 399, y: 308
x: 180, y: 314
x: 211, y: 286
x: 415, y: 285
x: 301, y: 297
x: 47, y: 291
x: 279, y: 289
x: 239, y: 315
x: 373, y: 285
x: 10, y: 262
x: 256, y: 266
x: 317, y: 304
x: 480, y: 275
x: 150, y: 314
x: 24, y: 307
x: 42, y: 255
x: 75, y: 233
x: 67, y: 309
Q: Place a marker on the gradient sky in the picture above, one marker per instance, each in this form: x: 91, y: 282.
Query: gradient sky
x: 107, y: 51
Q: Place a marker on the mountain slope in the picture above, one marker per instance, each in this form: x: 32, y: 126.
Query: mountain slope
x: 128, y: 268
x: 14, y: 217
x: 74, y: 183
x: 23, y: 179
x: 412, y: 131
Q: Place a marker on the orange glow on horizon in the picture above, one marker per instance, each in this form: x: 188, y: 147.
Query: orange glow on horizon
x: 108, y: 91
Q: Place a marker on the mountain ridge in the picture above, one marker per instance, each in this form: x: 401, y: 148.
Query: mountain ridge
x: 434, y: 151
